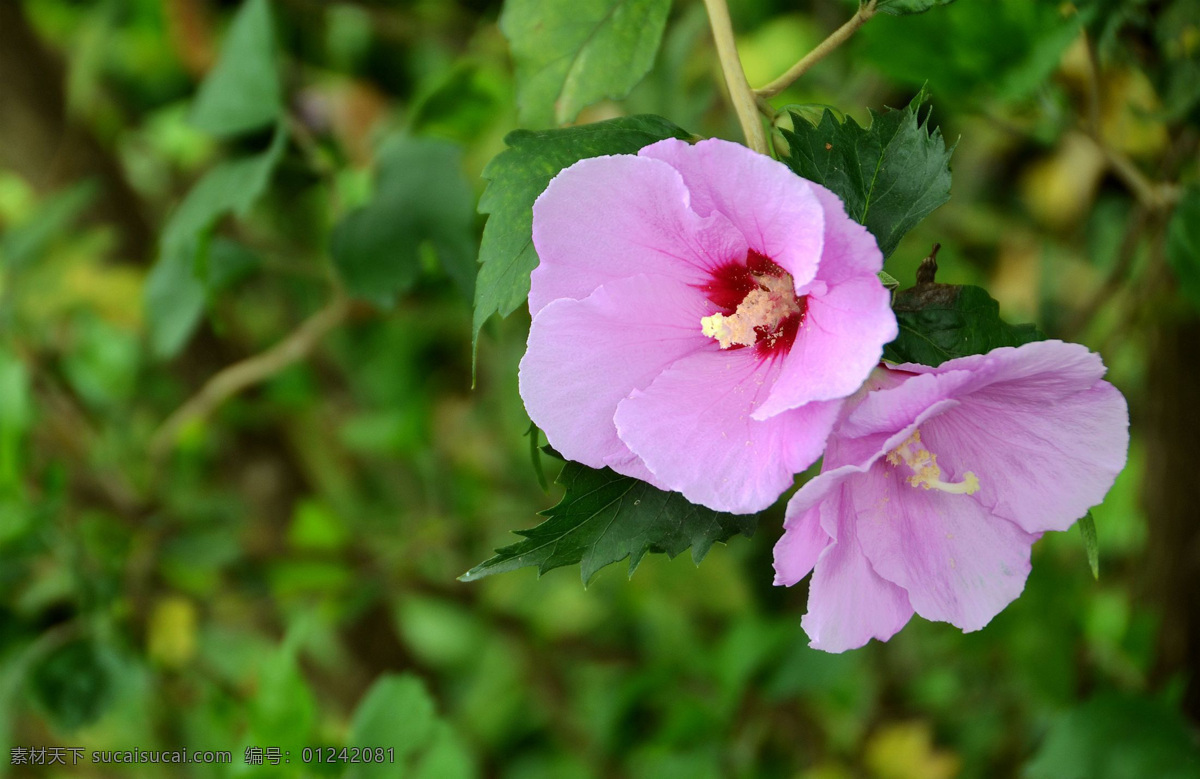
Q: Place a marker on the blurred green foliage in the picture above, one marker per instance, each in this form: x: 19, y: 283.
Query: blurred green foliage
x: 281, y: 570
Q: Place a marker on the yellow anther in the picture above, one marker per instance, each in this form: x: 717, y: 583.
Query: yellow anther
x: 926, y: 473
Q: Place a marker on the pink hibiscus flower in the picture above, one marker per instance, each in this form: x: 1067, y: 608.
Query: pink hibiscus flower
x: 698, y: 313
x: 937, y: 481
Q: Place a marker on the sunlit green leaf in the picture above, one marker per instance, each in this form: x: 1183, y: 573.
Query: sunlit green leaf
x: 26, y: 242
x: 517, y: 176
x: 572, y: 53
x: 242, y: 92
x: 605, y: 517
x: 967, y: 50
x: 175, y: 292
x: 396, y: 713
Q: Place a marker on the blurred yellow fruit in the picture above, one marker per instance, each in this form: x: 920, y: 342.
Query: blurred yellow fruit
x: 905, y: 750
x: 171, y: 639
x: 1059, y: 189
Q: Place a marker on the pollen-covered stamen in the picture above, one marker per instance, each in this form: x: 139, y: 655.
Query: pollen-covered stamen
x: 761, y: 311
x: 926, y: 473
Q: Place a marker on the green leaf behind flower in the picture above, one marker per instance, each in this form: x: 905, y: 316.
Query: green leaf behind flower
x: 572, y: 53
x: 176, y: 291
x: 939, y: 322
x: 420, y: 197
x: 605, y: 517
x: 891, y: 174
x: 517, y: 176
x: 243, y: 91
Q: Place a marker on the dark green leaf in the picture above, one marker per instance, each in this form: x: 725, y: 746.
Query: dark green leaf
x: 1087, y: 528
x: 228, y: 263
x: 905, y: 7
x: 175, y: 292
x: 517, y: 176
x: 605, y: 517
x: 572, y: 53
x: 73, y: 684
x: 891, y: 174
x: 420, y: 196
x: 939, y: 322
x: 1183, y: 245
x: 242, y: 92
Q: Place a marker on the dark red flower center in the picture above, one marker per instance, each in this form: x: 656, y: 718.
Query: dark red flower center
x: 758, y: 306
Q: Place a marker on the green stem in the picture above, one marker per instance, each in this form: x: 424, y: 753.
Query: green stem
x: 836, y: 38
x: 740, y: 93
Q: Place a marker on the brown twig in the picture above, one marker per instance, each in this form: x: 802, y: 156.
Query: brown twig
x: 253, y: 370
x: 927, y: 271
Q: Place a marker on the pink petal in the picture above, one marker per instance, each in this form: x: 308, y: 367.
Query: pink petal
x: 1043, y: 433
x: 802, y: 543
x: 838, y: 344
x: 849, y: 249
x: 585, y: 356
x: 958, y: 562
x: 607, y: 218
x: 774, y: 209
x: 891, y: 409
x: 1040, y: 466
x: 693, y: 428
x: 848, y: 603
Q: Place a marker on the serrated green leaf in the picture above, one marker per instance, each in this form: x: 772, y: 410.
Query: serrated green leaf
x: 605, y: 517
x: 1183, y: 244
x: 939, y: 322
x: 517, y: 176
x: 175, y: 291
x: 420, y: 196
x: 891, y: 174
x: 906, y: 7
x: 572, y: 53
x: 1091, y: 545
x: 242, y: 92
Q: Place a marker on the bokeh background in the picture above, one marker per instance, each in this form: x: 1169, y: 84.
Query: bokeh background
x: 279, y: 569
